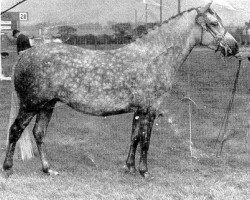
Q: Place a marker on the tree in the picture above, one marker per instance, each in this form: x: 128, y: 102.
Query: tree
x: 238, y: 35
x: 143, y: 29
x: 122, y: 28
x: 90, y: 39
x: 66, y: 32
x: 140, y: 30
x: 122, y: 32
x: 104, y: 39
x: 41, y: 25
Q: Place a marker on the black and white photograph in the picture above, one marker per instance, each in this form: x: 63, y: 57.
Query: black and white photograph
x: 125, y: 100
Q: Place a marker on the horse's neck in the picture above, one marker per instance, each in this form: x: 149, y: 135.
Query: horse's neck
x: 174, y: 39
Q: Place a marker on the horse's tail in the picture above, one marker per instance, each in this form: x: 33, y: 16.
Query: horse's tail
x: 25, y: 140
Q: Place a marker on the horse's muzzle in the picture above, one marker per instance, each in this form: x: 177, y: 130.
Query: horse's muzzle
x: 231, y: 51
x: 229, y: 47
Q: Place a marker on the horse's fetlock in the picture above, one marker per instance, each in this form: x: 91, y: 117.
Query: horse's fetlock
x: 130, y: 163
x: 7, y: 166
x: 143, y: 166
x: 131, y: 167
x: 46, y: 170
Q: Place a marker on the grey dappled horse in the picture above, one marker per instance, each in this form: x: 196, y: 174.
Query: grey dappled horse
x: 135, y: 78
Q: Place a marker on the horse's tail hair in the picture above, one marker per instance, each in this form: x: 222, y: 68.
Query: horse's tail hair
x: 25, y: 143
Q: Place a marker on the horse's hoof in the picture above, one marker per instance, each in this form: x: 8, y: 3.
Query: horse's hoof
x: 7, y: 173
x: 52, y: 172
x: 147, y: 175
x: 129, y: 170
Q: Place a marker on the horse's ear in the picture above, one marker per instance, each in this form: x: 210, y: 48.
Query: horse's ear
x: 206, y: 7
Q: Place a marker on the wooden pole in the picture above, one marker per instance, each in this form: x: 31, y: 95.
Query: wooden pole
x: 135, y: 17
x: 146, y: 15
x: 136, y: 23
x: 161, y: 11
x: 13, y: 6
x: 179, y: 6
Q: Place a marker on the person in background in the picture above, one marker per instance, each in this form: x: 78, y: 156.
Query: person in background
x: 22, y: 41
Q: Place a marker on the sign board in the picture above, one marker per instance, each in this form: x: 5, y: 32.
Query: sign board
x: 10, y: 16
x: 5, y: 22
x: 14, y: 16
x: 11, y: 20
x: 23, y: 16
x: 5, y: 27
x: 9, y: 25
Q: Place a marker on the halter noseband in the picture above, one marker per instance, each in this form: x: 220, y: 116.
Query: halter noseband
x: 201, y: 20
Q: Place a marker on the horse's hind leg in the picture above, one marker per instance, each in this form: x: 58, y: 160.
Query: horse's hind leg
x: 21, y: 122
x: 39, y: 131
x: 146, y: 125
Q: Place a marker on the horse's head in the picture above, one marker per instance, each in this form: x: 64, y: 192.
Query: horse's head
x: 212, y: 32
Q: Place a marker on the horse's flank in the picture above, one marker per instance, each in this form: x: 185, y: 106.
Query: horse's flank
x: 103, y: 82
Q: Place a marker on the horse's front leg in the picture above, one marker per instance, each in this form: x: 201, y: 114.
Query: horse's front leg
x: 134, y: 142
x: 146, y: 125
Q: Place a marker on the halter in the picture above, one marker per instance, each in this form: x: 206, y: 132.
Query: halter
x: 201, y: 19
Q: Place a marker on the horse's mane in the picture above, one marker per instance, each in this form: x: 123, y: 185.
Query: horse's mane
x: 166, y: 21
x: 179, y: 14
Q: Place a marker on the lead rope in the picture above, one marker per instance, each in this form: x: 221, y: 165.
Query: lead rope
x: 190, y: 105
x: 220, y: 138
x: 190, y: 114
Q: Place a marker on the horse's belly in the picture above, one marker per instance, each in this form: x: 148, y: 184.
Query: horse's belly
x: 99, y: 103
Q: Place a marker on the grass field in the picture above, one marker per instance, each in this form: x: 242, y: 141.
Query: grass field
x: 90, y: 152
